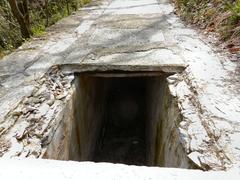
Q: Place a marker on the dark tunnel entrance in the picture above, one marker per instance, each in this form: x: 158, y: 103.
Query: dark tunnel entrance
x: 115, y: 117
x: 129, y: 118
x: 122, y: 135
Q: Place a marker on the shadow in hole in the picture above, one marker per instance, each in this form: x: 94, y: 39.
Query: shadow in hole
x: 122, y: 138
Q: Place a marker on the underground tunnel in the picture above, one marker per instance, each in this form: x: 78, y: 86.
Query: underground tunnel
x: 121, y: 118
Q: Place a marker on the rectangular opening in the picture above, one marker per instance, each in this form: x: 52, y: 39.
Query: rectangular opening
x: 123, y: 128
x: 113, y: 118
x: 121, y: 118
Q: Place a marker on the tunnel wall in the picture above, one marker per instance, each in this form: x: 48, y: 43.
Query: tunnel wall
x: 165, y: 141
x: 62, y: 142
x: 155, y: 96
x: 88, y: 113
x: 79, y: 122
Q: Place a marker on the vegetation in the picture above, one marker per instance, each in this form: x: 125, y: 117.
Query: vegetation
x: 20, y: 19
x: 221, y: 16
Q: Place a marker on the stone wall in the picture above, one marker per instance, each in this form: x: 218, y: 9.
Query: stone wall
x: 165, y: 148
x: 88, y: 113
x: 155, y: 97
x: 169, y: 149
x: 62, y: 142
x: 76, y: 136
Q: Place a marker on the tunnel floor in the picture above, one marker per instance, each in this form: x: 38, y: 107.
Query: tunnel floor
x: 122, y: 137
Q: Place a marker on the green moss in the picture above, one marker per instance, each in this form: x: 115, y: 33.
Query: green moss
x: 86, y: 1
x: 56, y: 17
x: 38, y: 30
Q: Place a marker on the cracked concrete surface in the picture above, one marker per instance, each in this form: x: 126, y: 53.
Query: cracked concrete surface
x: 136, y: 35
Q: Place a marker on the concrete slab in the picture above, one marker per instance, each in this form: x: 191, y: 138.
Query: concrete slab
x: 133, y: 7
x: 49, y: 169
x: 158, y: 58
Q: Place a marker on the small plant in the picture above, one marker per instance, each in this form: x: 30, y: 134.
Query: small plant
x: 38, y: 30
x: 235, y: 10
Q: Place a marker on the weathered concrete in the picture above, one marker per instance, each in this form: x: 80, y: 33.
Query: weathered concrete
x: 126, y: 35
x: 45, y: 169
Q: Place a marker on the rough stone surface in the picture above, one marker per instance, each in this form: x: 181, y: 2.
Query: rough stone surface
x: 130, y: 35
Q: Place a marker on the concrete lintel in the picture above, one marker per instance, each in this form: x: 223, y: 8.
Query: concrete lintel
x: 81, y: 68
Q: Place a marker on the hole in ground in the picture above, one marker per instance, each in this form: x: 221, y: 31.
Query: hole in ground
x: 115, y: 117
x: 121, y: 118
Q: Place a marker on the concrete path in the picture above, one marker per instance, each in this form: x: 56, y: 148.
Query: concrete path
x: 139, y: 35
